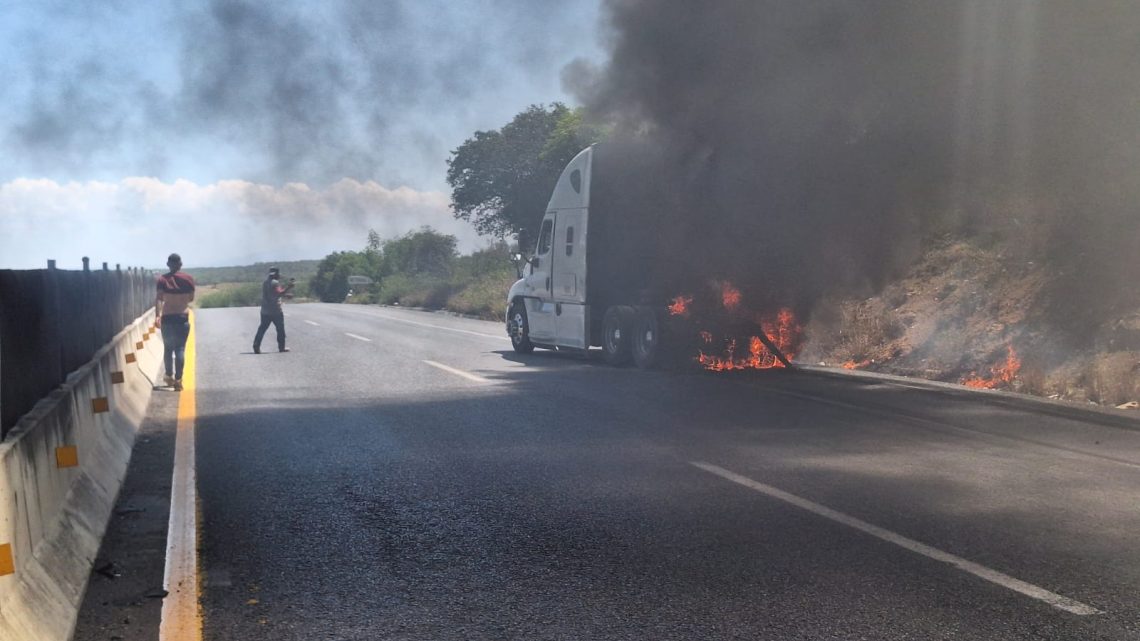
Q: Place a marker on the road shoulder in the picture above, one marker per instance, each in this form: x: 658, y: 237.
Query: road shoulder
x: 124, y: 594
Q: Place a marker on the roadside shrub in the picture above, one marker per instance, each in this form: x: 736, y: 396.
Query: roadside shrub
x: 231, y: 295
x: 419, y: 290
x: 484, y: 297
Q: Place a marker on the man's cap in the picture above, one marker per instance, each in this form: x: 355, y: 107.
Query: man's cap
x: 174, y: 259
x: 274, y: 270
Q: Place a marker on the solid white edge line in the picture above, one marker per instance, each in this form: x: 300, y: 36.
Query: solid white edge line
x: 993, y: 576
x: 458, y: 372
x: 359, y: 338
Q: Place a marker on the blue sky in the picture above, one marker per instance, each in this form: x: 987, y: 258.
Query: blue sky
x: 242, y: 131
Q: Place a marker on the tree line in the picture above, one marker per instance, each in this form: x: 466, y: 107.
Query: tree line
x: 501, y: 181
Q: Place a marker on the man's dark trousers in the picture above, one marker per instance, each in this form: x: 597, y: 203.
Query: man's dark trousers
x: 278, y: 320
x: 175, y: 331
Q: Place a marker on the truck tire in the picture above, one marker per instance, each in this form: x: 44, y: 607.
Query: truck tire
x: 520, y: 329
x: 646, y: 338
x: 616, y: 334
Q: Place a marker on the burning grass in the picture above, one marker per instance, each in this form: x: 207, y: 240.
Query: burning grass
x: 1001, y: 375
x: 982, y: 316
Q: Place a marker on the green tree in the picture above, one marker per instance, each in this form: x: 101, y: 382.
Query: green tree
x: 420, y: 252
x: 330, y: 284
x: 501, y: 180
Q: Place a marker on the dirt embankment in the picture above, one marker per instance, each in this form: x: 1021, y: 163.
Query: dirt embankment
x: 967, y: 312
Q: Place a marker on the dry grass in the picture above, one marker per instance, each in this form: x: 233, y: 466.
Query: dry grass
x: 1113, y: 378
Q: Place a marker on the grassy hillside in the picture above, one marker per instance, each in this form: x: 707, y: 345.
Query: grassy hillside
x: 981, y: 314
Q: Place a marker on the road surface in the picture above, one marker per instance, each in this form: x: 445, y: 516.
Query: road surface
x: 404, y: 475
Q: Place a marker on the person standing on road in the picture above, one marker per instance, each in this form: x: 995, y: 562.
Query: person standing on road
x: 172, y: 316
x: 271, y: 294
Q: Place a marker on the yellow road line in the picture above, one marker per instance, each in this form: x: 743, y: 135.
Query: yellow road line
x: 181, y: 613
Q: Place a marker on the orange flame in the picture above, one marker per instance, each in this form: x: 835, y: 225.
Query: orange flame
x: 1003, y: 373
x: 782, y: 330
x: 680, y: 306
x: 854, y: 365
x: 730, y: 296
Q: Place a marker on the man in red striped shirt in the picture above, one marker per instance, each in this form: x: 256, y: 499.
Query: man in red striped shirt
x: 172, y: 314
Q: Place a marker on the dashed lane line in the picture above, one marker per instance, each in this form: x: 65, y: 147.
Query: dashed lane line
x: 443, y: 327
x: 458, y: 372
x: 359, y: 338
x: 981, y: 571
x: 313, y: 323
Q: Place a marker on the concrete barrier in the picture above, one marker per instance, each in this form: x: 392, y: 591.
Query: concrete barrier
x: 60, y: 471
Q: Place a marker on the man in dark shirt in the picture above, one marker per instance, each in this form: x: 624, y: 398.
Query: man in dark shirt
x: 271, y: 294
x: 172, y: 315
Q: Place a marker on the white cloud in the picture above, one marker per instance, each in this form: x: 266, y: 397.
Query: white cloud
x: 139, y: 220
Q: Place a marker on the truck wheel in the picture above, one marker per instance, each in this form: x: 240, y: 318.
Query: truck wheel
x: 646, y: 338
x: 616, y: 335
x: 519, y: 329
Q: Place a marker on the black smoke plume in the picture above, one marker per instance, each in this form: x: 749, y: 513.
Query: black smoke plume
x: 812, y: 147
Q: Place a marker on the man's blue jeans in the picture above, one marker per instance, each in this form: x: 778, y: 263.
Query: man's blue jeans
x: 175, y: 331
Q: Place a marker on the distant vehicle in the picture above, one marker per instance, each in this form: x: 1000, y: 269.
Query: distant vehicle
x: 356, y: 281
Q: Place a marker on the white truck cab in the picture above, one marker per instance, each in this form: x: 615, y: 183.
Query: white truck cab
x: 549, y: 306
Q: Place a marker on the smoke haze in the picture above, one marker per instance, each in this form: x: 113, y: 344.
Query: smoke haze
x: 812, y: 146
x: 272, y: 92
x: 308, y: 122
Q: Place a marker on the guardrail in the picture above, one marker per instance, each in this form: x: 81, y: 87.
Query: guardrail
x: 53, y: 321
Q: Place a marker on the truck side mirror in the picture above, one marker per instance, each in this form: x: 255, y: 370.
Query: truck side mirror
x: 518, y: 261
x: 534, y: 261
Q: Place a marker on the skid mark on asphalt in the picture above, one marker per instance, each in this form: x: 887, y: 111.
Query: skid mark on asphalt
x: 981, y: 571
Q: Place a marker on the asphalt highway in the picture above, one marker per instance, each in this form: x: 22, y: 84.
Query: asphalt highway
x: 405, y: 475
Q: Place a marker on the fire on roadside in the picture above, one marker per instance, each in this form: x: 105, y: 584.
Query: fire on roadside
x: 781, y: 329
x: 1001, y: 374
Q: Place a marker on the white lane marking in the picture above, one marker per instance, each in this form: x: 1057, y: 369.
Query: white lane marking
x: 458, y: 372
x: 993, y: 576
x: 314, y: 324
x: 359, y: 338
x: 449, y: 329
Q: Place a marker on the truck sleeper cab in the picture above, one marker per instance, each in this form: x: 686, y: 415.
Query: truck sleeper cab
x: 578, y: 289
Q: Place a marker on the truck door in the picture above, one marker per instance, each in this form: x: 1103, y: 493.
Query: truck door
x: 569, y: 278
x: 540, y: 306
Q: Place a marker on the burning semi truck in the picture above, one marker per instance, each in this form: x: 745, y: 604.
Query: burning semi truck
x: 603, y: 275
